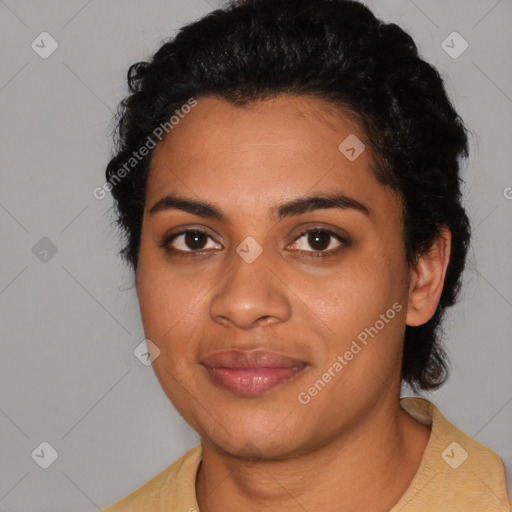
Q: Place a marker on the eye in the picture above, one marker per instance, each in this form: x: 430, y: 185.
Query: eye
x: 323, y: 241
x: 189, y: 240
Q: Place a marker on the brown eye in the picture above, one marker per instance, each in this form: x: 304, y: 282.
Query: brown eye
x: 192, y: 240
x: 195, y: 240
x: 321, y: 241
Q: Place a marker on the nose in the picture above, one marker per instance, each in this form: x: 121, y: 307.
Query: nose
x: 251, y: 295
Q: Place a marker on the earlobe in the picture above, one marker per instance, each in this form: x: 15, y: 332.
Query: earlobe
x: 427, y: 279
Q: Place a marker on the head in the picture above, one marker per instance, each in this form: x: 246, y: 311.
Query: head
x: 313, y: 128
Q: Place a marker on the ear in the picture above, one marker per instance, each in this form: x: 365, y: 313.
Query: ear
x: 427, y: 279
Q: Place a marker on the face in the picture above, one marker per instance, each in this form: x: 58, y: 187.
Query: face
x: 279, y: 318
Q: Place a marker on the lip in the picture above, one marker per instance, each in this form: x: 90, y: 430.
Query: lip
x: 251, y: 373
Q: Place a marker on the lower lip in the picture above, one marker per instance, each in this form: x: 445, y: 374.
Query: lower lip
x: 252, y: 381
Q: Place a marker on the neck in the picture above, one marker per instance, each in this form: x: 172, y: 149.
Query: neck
x: 368, y: 468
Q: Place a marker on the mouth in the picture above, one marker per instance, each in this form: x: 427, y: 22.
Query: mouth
x: 251, y: 373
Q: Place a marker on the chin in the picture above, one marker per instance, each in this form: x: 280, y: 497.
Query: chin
x: 254, y: 440
x: 249, y: 449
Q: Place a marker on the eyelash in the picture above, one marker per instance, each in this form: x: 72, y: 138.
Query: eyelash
x: 315, y: 254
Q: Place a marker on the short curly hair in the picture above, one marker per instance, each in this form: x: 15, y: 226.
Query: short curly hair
x: 336, y: 50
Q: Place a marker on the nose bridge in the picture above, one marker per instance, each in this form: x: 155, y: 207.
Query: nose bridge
x: 251, y: 291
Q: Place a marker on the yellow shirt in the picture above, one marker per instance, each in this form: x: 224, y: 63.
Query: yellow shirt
x: 456, y: 474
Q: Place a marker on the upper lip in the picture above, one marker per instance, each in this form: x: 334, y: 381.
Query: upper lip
x: 258, y: 358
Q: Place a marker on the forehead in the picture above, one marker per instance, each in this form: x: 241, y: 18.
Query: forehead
x: 271, y: 150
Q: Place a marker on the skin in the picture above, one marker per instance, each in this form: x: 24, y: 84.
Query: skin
x: 351, y: 447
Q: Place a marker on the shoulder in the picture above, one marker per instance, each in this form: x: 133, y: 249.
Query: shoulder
x: 456, y: 472
x: 171, y: 487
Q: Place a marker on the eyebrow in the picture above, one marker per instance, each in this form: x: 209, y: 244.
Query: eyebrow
x: 291, y: 208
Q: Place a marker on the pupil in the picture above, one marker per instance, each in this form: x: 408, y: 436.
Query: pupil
x: 193, y: 240
x: 316, y: 238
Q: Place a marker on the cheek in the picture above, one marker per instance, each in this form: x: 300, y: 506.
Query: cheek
x: 167, y: 313
x: 361, y: 350
x: 165, y: 299
x: 360, y: 313
x: 174, y: 329
x: 351, y: 298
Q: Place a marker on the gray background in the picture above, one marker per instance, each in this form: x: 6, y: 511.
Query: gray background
x: 70, y: 320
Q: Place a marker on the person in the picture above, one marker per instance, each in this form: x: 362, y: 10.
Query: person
x: 287, y: 184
